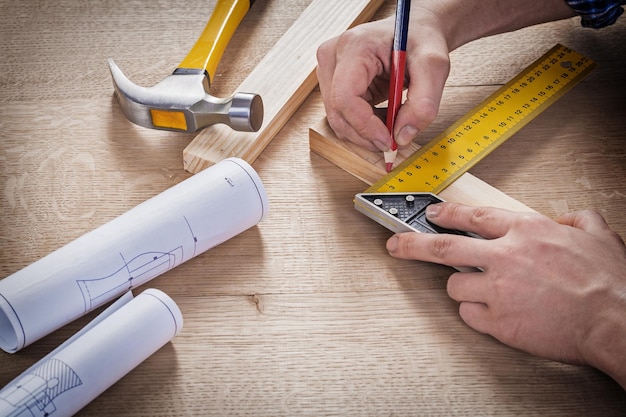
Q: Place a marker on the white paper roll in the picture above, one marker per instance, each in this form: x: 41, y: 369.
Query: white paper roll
x: 78, y: 371
x: 148, y: 240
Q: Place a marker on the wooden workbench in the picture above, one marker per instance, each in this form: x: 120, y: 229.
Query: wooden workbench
x: 305, y: 314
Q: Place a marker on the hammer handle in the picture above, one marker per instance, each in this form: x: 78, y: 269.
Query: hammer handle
x: 209, y: 48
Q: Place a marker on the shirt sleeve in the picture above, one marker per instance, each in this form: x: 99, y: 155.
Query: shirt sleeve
x: 597, y: 13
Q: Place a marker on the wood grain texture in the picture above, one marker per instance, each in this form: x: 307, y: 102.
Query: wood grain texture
x: 370, y: 167
x: 284, y: 78
x: 306, y: 314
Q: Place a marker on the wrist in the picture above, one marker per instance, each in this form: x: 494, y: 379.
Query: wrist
x: 463, y: 21
x: 604, y: 343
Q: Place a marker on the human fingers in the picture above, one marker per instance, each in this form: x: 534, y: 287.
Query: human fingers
x: 428, y: 67
x: 488, y: 222
x: 476, y: 316
x: 326, y: 69
x: 349, y: 68
x: 469, y: 290
x: 587, y: 220
x: 446, y: 249
x: 345, y: 130
x: 468, y: 287
x: 326, y: 62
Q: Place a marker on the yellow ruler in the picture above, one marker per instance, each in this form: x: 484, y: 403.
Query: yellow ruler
x: 448, y: 156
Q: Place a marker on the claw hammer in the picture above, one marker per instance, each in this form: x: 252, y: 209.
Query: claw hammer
x: 181, y: 102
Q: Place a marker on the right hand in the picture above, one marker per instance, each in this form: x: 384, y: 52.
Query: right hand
x: 353, y: 72
x: 353, y: 69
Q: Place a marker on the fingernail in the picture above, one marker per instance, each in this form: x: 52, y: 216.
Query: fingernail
x: 381, y: 146
x: 392, y: 244
x: 433, y: 211
x: 406, y: 135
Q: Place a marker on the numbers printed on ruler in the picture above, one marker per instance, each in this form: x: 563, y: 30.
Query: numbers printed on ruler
x: 484, y: 128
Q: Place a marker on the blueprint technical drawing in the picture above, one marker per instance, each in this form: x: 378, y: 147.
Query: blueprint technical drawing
x: 141, y: 244
x: 33, y: 394
x: 80, y: 369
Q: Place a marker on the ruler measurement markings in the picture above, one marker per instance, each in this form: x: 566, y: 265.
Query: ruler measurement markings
x: 445, y: 158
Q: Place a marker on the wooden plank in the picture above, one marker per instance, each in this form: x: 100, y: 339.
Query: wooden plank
x: 284, y: 78
x: 370, y: 167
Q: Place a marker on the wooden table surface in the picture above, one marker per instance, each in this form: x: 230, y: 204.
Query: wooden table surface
x: 305, y: 314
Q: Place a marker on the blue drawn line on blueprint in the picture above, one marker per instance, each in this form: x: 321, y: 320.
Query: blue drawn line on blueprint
x: 32, y: 393
x: 18, y: 319
x: 195, y: 238
x: 139, y: 269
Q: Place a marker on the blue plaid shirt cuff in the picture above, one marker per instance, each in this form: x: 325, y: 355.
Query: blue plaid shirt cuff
x: 597, y: 13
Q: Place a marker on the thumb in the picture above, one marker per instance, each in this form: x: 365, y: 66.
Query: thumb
x: 590, y: 221
x: 587, y: 220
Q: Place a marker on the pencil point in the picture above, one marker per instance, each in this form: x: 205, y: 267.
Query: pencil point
x: 390, y: 157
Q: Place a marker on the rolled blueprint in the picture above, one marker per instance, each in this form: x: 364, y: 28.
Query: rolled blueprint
x: 86, y: 365
x: 148, y: 240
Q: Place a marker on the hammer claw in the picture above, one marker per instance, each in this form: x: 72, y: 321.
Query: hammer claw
x: 181, y: 102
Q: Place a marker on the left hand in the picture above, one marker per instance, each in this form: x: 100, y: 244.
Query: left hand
x: 556, y: 289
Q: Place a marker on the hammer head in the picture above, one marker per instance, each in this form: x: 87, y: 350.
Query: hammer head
x: 181, y: 103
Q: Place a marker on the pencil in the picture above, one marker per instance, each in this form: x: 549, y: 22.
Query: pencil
x: 396, y: 80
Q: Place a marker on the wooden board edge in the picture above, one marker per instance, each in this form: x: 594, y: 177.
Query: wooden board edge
x: 219, y: 142
x: 468, y: 189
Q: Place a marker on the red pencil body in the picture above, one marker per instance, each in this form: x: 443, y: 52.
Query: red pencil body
x: 396, y: 81
x: 396, y: 86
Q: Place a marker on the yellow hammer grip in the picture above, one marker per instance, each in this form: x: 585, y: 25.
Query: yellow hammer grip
x: 210, y: 46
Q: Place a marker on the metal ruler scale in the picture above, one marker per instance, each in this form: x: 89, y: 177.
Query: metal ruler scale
x: 453, y: 152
